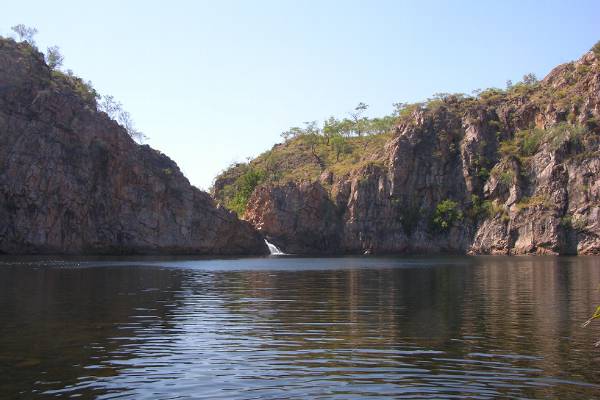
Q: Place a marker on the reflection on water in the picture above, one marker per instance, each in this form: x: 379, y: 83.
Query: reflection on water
x: 344, y: 328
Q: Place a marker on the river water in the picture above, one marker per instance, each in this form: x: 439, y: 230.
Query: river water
x: 280, y: 327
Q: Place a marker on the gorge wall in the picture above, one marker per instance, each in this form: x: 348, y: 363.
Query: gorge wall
x: 513, y: 171
x: 73, y: 181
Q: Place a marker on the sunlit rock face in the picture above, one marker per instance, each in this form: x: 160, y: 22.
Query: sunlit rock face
x: 73, y: 181
x: 542, y: 199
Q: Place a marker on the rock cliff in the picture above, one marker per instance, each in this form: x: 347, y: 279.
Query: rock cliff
x: 513, y: 171
x: 73, y: 181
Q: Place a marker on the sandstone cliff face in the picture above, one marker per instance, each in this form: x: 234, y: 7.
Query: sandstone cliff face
x: 517, y: 193
x: 73, y: 181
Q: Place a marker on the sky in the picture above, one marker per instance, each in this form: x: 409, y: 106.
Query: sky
x: 214, y: 82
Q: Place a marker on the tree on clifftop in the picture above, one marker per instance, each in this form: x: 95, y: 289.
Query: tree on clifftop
x: 25, y: 33
x: 53, y: 57
x: 359, y: 120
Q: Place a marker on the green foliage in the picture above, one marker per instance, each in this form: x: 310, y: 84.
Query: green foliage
x: 565, y: 133
x: 85, y: 90
x: 530, y: 79
x: 357, y: 125
x: 242, y: 189
x: 578, y: 223
x: 483, y: 173
x: 530, y: 140
x: 486, y: 209
x: 526, y: 143
x: 115, y: 111
x: 340, y: 146
x: 492, y: 209
x: 507, y: 177
x: 403, y: 111
x: 534, y: 201
x: 53, y: 57
x: 446, y: 214
x: 25, y: 33
x: 478, y: 208
x: 492, y: 94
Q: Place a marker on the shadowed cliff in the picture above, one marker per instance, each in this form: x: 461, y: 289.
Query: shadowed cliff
x: 73, y: 181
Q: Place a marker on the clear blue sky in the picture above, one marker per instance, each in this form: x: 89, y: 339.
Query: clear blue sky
x: 212, y: 82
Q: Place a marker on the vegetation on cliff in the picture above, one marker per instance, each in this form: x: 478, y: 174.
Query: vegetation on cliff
x: 73, y: 181
x: 338, y: 147
x: 85, y: 89
x: 501, y: 171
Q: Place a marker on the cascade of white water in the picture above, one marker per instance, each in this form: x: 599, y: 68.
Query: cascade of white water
x: 273, y: 249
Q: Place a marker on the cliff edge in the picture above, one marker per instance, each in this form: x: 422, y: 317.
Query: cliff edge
x: 72, y: 181
x: 513, y: 171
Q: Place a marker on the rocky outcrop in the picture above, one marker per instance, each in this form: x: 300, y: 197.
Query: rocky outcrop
x: 514, y: 172
x: 73, y: 181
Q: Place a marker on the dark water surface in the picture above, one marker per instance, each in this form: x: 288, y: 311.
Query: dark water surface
x: 335, y: 328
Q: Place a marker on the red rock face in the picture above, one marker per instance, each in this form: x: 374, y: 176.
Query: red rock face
x: 73, y: 181
x: 546, y: 203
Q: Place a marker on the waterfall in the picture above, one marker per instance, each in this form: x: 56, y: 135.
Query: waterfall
x: 273, y: 249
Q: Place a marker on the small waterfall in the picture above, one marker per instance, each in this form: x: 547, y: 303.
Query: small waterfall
x: 273, y: 249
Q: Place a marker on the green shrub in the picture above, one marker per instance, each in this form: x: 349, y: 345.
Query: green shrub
x: 563, y: 132
x: 491, y: 94
x: 84, y: 89
x: 578, y: 223
x: 484, y: 174
x: 527, y: 142
x: 479, y: 209
x: 507, y: 177
x: 242, y: 190
x: 530, y: 140
x: 446, y: 214
x: 533, y: 201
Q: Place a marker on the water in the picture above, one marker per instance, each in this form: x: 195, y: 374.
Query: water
x: 277, y: 328
x: 274, y: 250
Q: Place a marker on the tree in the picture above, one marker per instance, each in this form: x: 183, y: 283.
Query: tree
x: 53, y: 57
x: 446, y: 214
x: 379, y: 126
x: 124, y: 119
x: 358, y: 118
x: 115, y: 111
x: 340, y: 146
x: 346, y: 127
x: 311, y: 128
x: 25, y: 33
x: 271, y: 161
x: 530, y: 79
x: 399, y: 108
x: 291, y: 133
x: 331, y: 128
x: 312, y: 136
x: 110, y: 106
